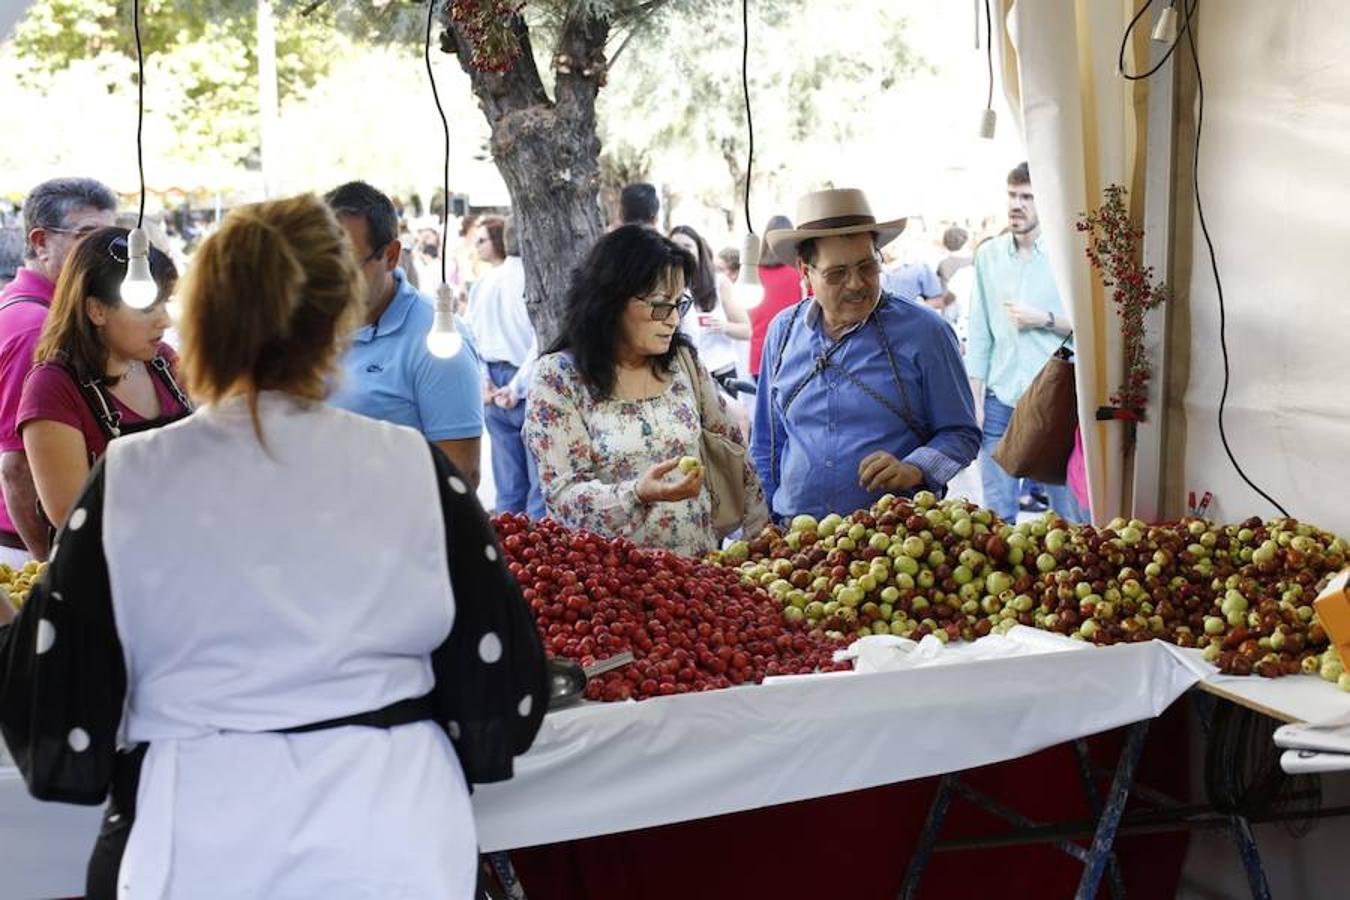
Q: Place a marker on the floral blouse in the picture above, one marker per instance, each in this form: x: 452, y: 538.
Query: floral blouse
x: 592, y: 453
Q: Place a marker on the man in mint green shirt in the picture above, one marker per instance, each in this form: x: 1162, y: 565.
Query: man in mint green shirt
x: 1017, y: 322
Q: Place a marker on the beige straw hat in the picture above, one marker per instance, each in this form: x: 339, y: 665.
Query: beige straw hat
x: 832, y: 213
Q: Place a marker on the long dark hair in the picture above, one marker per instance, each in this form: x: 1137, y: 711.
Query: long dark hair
x: 626, y: 263
x: 95, y: 268
x: 704, y: 284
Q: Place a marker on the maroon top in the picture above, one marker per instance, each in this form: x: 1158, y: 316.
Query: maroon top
x: 50, y: 392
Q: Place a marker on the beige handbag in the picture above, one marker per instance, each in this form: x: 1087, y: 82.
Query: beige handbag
x: 723, y: 458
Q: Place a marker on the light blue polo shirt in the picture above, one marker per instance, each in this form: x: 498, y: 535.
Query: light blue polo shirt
x: 389, y: 374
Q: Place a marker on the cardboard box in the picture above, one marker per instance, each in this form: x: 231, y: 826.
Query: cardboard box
x: 1333, y: 610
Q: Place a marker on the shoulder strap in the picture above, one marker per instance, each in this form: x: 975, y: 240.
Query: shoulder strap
x: 26, y: 298
x: 164, y: 371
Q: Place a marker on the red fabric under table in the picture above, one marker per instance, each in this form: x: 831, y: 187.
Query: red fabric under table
x: 858, y: 845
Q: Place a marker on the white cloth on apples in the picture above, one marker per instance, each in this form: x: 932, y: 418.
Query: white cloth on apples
x: 887, y: 653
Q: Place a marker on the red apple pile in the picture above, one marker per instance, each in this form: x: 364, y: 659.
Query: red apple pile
x: 692, y: 626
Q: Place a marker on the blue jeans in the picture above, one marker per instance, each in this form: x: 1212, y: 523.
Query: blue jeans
x: 1000, y: 488
x: 513, y: 468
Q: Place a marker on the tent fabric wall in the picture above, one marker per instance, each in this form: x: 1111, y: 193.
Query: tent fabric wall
x: 1082, y: 124
x: 1274, y: 156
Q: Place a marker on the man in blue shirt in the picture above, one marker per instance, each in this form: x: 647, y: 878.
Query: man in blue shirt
x: 388, y: 373
x: 862, y: 393
x: 1017, y: 322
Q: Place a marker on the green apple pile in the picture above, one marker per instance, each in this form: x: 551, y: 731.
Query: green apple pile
x: 1243, y: 593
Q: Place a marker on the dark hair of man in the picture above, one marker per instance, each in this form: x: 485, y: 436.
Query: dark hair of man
x: 767, y: 258
x: 628, y: 262
x: 639, y: 204
x: 48, y: 204
x: 11, y: 252
x: 1020, y: 175
x: 806, y: 250
x: 496, y: 228
x: 731, y: 258
x: 704, y: 284
x: 358, y: 199
x: 955, y: 238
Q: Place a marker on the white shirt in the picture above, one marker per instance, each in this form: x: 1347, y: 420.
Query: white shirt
x: 248, y: 598
x: 500, y: 321
x: 716, y: 350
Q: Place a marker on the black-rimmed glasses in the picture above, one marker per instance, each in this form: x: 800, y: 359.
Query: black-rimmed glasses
x: 662, y: 306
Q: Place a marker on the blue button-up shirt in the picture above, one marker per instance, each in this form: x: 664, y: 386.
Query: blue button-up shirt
x: 389, y: 374
x: 809, y: 458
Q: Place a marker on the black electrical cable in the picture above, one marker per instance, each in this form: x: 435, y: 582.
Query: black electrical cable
x: 1185, y: 30
x: 445, y: 125
x: 989, y: 50
x: 749, y: 119
x: 140, y: 105
x: 1213, y: 259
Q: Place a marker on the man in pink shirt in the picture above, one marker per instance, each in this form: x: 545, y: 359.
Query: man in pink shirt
x: 56, y: 214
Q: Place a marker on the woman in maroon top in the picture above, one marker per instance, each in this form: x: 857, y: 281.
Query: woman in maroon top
x: 100, y: 370
x: 782, y: 288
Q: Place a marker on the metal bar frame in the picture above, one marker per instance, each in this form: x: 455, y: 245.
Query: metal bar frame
x: 1151, y: 434
x: 1088, y: 776
x: 1095, y: 858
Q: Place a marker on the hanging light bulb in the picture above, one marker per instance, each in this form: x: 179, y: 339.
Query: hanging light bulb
x: 749, y: 290
x: 444, y: 340
x: 988, y: 119
x: 138, y: 287
x: 1165, y: 32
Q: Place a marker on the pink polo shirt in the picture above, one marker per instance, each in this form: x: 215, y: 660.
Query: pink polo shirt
x: 20, y: 327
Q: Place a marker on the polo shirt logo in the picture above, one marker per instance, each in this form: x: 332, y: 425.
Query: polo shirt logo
x: 374, y: 369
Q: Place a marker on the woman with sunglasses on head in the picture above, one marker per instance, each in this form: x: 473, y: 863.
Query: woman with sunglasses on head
x: 613, y: 408
x: 102, y: 369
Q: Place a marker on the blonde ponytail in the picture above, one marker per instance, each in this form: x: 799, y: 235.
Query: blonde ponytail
x: 267, y: 302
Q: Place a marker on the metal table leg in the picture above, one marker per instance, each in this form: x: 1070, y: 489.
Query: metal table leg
x: 1251, y: 857
x: 927, y: 838
x: 1115, y: 880
x: 506, y: 875
x: 1104, y: 839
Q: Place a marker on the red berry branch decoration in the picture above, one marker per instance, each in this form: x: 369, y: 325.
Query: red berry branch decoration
x: 487, y: 25
x: 1114, y: 250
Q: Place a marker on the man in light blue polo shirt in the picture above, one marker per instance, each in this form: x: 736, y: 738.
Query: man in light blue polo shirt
x: 1017, y: 322
x: 388, y: 373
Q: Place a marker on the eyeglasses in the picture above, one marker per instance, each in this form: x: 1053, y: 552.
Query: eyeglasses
x: 662, y: 305
x: 117, y: 249
x: 836, y: 276
x: 82, y: 231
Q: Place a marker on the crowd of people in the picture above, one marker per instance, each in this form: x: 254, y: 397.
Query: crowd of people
x: 307, y: 466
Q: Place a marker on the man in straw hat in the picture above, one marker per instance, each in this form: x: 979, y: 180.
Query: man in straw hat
x: 862, y: 393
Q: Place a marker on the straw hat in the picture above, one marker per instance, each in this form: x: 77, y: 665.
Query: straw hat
x: 832, y: 213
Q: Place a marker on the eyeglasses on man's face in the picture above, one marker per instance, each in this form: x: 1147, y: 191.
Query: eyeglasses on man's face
x: 837, y: 276
x: 80, y: 232
x: 663, y: 304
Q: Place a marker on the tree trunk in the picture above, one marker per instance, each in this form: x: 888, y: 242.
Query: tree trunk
x: 548, y: 154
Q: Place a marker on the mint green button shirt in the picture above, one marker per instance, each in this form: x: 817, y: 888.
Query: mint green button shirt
x: 1005, y: 359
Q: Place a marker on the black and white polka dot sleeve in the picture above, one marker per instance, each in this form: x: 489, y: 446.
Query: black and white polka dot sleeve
x: 62, y: 677
x: 491, y: 677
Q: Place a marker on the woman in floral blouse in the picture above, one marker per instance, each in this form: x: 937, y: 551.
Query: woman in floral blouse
x: 611, y: 410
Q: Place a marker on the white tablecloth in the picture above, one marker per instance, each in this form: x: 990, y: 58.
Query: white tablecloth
x: 604, y: 768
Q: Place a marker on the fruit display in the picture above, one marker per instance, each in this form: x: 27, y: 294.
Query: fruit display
x: 16, y: 583
x: 1242, y: 593
x: 692, y: 626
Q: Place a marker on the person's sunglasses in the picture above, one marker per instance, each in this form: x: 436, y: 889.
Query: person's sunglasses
x: 839, y: 275
x: 662, y: 306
